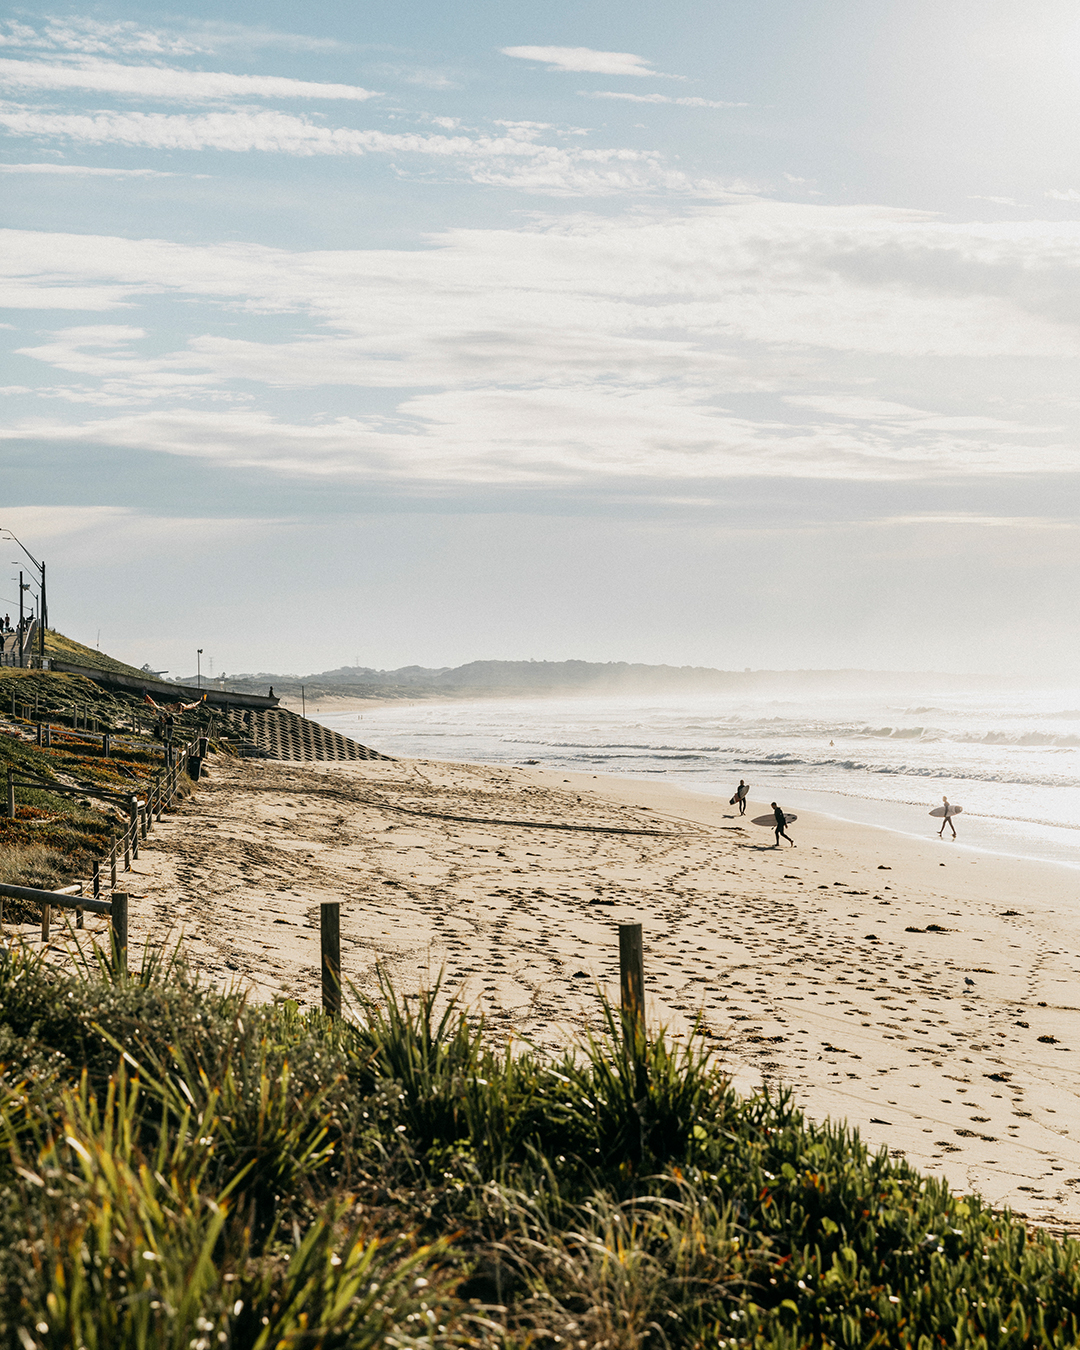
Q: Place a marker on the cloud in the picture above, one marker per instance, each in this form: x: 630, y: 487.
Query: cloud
x: 159, y: 82
x: 515, y: 159
x: 1070, y: 195
x: 92, y: 36
x: 878, y: 410
x: 581, y: 59
x: 690, y: 102
x: 747, y: 340
x: 85, y: 170
x: 540, y: 437
x: 88, y: 36
x: 971, y: 518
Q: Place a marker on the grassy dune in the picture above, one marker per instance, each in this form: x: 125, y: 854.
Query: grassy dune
x: 180, y: 1169
x: 58, y: 830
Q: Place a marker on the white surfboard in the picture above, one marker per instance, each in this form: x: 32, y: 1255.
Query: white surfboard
x: 770, y: 820
x: 940, y: 811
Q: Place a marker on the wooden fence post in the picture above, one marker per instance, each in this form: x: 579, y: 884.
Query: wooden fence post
x: 330, y: 941
x: 118, y: 925
x: 106, y: 745
x: 11, y: 794
x: 46, y: 919
x: 632, y: 981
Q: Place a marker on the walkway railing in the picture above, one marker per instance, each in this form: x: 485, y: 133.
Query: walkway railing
x: 142, y: 812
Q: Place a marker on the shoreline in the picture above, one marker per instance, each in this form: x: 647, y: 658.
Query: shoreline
x: 933, y: 982
x: 719, y: 800
x: 1022, y: 817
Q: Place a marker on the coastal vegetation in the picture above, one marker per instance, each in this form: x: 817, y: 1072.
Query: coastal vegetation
x: 182, y: 1168
x: 70, y: 796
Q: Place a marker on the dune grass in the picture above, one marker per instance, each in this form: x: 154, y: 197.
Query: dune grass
x: 179, y: 1168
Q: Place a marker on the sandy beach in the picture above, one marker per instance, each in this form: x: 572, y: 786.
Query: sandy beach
x: 919, y: 989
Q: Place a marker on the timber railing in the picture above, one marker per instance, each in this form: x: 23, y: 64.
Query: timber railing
x: 71, y: 897
x: 142, y: 812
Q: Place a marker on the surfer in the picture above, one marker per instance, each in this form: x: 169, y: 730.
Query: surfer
x: 739, y: 799
x: 948, y: 819
x: 781, y: 821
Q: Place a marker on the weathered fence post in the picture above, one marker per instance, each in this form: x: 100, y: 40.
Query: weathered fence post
x: 11, y: 794
x: 632, y: 981
x: 118, y: 922
x: 106, y: 745
x: 46, y: 919
x: 330, y: 940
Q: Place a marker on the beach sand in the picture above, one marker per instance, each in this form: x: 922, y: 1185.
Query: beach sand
x: 839, y: 968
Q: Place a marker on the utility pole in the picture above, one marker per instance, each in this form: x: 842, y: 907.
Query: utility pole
x: 22, y: 658
x: 198, y: 665
x: 43, y: 608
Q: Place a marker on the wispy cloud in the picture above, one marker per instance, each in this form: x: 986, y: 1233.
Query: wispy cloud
x: 1069, y: 195
x: 514, y: 159
x: 158, y: 82
x: 689, y: 102
x: 584, y: 59
x: 94, y: 36
x: 602, y: 350
x: 90, y: 37
x: 85, y: 170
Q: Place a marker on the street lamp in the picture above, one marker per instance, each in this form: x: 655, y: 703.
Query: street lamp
x: 198, y: 663
x: 43, y: 608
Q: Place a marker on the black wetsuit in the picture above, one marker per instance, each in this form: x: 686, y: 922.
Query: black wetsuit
x: 780, y: 823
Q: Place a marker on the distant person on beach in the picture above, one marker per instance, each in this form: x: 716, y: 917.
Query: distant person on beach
x: 948, y: 819
x: 739, y: 799
x: 781, y: 821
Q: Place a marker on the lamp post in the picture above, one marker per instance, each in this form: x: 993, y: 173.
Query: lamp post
x: 43, y: 608
x: 198, y: 664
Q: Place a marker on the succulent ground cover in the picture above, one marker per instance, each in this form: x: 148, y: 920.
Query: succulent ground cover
x: 179, y: 1168
x: 59, y: 830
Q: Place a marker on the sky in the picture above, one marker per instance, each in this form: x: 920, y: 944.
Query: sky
x: 736, y: 333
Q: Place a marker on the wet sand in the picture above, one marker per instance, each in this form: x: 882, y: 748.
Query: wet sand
x: 923, y: 991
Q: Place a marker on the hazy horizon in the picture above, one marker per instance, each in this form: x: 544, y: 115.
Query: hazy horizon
x: 636, y: 678
x: 725, y: 336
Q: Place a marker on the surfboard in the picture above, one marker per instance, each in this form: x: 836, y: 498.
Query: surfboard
x: 770, y: 819
x: 940, y: 811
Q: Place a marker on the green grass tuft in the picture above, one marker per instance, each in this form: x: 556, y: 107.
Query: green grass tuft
x: 179, y: 1168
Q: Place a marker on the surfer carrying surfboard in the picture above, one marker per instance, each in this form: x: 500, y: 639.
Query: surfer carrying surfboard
x: 781, y: 821
x: 949, y: 813
x: 740, y: 797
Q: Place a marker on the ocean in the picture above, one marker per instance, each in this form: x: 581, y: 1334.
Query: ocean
x: 1010, y: 759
